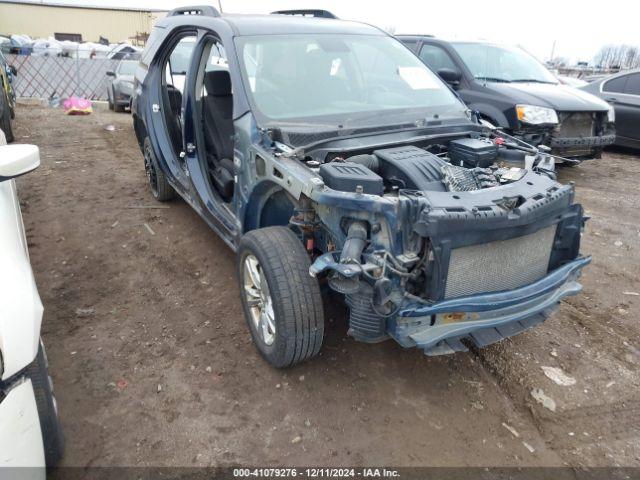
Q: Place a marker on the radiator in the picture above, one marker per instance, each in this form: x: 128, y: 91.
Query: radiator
x: 577, y: 124
x: 499, y: 265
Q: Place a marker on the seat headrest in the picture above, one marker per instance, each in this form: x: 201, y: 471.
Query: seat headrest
x: 217, y: 83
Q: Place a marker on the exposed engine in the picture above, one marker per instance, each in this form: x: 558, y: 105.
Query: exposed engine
x: 467, y: 164
x: 456, y: 242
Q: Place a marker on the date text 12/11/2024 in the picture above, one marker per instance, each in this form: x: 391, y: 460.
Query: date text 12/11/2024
x: 316, y: 472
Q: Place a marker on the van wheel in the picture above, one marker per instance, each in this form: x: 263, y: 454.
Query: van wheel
x: 281, y: 301
x: 160, y: 188
x: 52, y: 436
x: 109, y: 101
x: 5, y: 118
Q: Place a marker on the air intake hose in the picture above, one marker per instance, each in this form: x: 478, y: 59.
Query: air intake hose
x: 368, y: 161
x: 355, y: 242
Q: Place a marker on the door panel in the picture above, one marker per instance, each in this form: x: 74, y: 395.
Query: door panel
x: 626, y: 103
x: 208, y: 56
x: 166, y: 107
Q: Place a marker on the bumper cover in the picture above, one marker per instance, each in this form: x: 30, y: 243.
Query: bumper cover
x: 20, y: 434
x: 484, y: 318
x: 569, y: 142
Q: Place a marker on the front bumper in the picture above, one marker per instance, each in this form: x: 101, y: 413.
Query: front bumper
x: 123, y: 100
x: 438, y: 328
x: 20, y: 434
x: 573, y: 142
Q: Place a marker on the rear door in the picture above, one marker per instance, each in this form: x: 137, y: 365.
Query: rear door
x: 624, y: 94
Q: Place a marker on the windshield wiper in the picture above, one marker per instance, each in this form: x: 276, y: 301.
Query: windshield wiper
x: 532, y: 80
x: 493, y: 79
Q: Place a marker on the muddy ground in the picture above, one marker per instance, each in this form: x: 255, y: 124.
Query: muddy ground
x: 153, y: 364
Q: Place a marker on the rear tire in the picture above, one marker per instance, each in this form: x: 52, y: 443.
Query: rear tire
x: 273, y: 271
x: 52, y: 436
x: 161, y: 189
x: 5, y: 117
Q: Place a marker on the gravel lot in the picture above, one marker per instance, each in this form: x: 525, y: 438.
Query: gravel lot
x: 153, y: 364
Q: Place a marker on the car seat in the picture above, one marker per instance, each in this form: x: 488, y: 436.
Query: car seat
x: 218, y: 130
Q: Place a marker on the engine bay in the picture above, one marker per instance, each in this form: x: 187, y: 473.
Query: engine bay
x: 461, y: 165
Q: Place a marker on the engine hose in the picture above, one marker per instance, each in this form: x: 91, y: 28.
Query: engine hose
x: 368, y: 161
x: 355, y: 242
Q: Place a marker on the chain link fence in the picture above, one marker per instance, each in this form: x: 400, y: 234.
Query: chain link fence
x: 46, y: 76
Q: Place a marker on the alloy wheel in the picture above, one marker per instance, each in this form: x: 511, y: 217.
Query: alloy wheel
x: 258, y: 298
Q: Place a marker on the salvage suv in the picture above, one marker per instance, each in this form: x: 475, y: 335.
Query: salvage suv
x: 324, y: 152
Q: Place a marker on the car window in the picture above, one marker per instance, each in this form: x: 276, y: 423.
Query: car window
x: 179, y: 61
x: 615, y: 85
x: 127, y: 68
x: 436, y: 58
x: 500, y: 63
x: 411, y: 44
x: 633, y: 84
x: 341, y: 79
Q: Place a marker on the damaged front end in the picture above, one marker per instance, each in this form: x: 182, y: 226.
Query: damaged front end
x: 438, y: 245
x: 577, y: 135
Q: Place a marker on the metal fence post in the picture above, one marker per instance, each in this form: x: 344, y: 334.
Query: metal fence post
x: 77, y: 91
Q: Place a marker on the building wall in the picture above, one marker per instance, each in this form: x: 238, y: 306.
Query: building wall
x: 42, y: 21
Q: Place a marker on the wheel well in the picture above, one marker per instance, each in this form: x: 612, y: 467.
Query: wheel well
x: 268, y: 206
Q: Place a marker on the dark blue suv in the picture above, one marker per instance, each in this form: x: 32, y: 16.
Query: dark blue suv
x: 323, y: 152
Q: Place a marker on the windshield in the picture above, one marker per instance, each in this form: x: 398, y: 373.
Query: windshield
x: 351, y: 80
x: 127, y: 68
x: 496, y: 63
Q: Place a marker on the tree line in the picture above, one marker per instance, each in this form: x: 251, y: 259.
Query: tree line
x: 618, y: 56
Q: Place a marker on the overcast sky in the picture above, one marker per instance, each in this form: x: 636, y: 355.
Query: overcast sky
x: 579, y: 28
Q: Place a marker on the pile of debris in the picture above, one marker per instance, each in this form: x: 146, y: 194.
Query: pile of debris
x: 50, y: 47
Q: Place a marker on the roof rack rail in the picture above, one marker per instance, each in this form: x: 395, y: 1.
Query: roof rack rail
x: 306, y: 13
x: 204, y: 10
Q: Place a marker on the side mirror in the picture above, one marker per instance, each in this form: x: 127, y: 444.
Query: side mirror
x: 13, y: 70
x: 111, y: 73
x: 16, y: 160
x: 452, y: 77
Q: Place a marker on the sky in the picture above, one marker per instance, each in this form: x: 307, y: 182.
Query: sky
x: 579, y: 28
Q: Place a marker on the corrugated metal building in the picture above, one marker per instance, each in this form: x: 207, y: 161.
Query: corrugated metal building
x: 78, y: 23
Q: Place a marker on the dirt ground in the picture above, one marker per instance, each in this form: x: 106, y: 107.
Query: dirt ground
x: 153, y: 365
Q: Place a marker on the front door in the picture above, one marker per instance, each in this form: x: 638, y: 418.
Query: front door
x: 209, y: 134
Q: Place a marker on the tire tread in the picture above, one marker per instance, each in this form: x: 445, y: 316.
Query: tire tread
x: 295, y: 293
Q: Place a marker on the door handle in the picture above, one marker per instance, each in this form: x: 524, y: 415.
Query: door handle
x: 611, y: 99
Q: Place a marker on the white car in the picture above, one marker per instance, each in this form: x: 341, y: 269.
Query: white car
x: 30, y: 432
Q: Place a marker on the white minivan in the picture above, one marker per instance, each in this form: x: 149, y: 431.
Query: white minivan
x: 30, y: 432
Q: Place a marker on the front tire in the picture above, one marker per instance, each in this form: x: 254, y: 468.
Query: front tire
x: 161, y: 189
x: 5, y: 117
x: 109, y: 99
x: 281, y: 301
x: 52, y: 436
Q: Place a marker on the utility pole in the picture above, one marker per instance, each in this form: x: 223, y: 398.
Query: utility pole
x: 553, y: 51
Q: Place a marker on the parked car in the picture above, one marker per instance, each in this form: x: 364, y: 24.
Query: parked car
x: 515, y: 92
x: 30, y: 432
x: 7, y: 97
x: 324, y: 150
x: 120, y: 87
x: 622, y: 92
